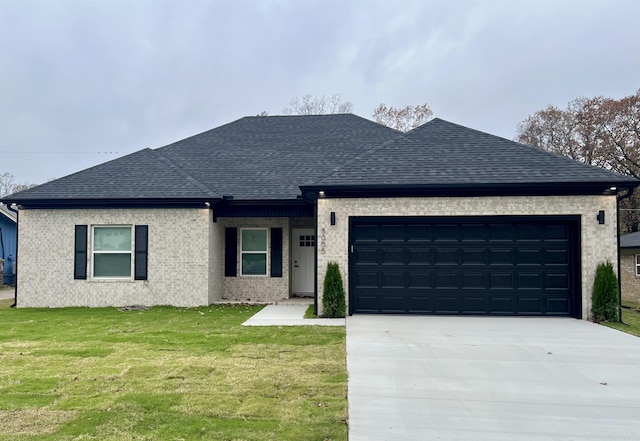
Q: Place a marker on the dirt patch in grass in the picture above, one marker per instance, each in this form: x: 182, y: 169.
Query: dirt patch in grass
x: 32, y: 421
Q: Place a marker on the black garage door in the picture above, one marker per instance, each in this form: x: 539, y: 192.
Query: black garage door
x: 471, y: 265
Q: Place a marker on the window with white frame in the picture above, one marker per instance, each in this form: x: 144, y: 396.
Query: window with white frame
x: 112, y: 252
x: 638, y: 265
x: 254, y: 246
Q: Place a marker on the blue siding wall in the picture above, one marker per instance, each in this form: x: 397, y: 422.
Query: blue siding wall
x: 9, y: 235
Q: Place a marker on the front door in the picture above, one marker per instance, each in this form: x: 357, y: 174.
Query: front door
x: 304, y: 245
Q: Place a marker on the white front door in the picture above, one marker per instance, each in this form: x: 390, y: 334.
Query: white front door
x: 304, y: 245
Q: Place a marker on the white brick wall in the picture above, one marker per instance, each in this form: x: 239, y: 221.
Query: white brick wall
x: 258, y: 288
x: 598, y: 241
x: 178, y: 265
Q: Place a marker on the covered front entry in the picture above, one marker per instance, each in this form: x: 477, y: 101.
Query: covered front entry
x: 507, y: 265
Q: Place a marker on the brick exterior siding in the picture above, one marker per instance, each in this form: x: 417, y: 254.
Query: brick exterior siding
x: 178, y: 259
x: 630, y: 283
x: 598, y: 242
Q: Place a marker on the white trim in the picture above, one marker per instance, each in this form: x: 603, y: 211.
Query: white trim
x: 265, y: 252
x: 94, y: 252
x: 637, y: 264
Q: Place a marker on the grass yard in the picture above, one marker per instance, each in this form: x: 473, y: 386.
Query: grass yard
x: 168, y: 374
x: 630, y: 317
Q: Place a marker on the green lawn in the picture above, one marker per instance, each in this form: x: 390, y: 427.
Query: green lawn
x: 631, y: 319
x: 168, y: 374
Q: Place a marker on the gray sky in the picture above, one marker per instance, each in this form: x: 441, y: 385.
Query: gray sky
x: 83, y: 79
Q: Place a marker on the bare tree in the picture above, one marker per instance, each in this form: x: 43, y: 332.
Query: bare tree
x: 8, y: 186
x: 599, y: 131
x: 310, y: 105
x: 404, y: 118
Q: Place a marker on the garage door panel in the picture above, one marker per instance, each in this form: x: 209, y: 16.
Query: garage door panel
x: 463, y: 266
x: 474, y: 280
x: 501, y: 280
x: 446, y: 256
x: 392, y: 233
x: 557, y: 305
x: 557, y: 281
x: 366, y: 279
x: 419, y: 280
x: 419, y: 233
x: 474, y: 233
x: 392, y: 279
x: 530, y: 281
x: 500, y: 256
x: 473, y: 305
x: 445, y: 233
x: 420, y: 256
x: 446, y: 280
x: 528, y: 256
x: 392, y: 256
x: 556, y: 256
x: 473, y: 256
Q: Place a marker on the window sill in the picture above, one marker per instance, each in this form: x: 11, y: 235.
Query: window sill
x: 111, y: 280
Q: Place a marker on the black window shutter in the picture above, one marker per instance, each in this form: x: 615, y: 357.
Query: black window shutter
x: 80, y: 255
x: 141, y: 255
x: 230, y: 251
x: 276, y: 252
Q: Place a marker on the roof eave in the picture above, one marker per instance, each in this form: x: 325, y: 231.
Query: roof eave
x: 487, y: 189
x: 111, y: 203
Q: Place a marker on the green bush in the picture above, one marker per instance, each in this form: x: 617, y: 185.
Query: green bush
x: 605, y: 302
x: 333, y: 303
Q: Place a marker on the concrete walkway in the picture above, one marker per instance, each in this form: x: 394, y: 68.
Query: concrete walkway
x: 288, y: 315
x: 493, y: 379
x: 7, y: 292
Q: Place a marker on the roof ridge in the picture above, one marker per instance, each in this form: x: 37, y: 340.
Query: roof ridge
x: 359, y: 157
x: 175, y: 168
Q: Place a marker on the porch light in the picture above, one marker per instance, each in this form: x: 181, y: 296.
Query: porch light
x: 321, y: 193
x: 333, y: 218
x: 613, y: 188
x: 600, y: 217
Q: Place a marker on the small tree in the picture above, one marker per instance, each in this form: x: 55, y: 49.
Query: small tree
x: 333, y: 302
x: 605, y: 294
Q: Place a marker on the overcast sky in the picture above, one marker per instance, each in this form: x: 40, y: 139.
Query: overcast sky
x: 86, y: 81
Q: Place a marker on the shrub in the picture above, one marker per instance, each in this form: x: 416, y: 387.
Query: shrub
x: 333, y: 303
x: 605, y: 294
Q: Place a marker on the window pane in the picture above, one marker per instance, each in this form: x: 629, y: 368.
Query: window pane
x: 254, y: 264
x: 254, y: 240
x: 112, y: 239
x: 111, y: 265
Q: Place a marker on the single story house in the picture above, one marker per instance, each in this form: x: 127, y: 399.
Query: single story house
x: 8, y: 243
x: 630, y: 267
x: 443, y: 219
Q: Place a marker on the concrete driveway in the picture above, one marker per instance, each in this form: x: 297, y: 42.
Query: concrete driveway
x: 484, y: 378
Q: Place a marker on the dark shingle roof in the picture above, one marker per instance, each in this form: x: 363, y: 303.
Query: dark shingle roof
x: 143, y: 174
x: 443, y: 153
x: 631, y: 240
x: 270, y: 158
x: 252, y: 158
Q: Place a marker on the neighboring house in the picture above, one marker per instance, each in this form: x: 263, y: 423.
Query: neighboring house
x: 8, y: 238
x: 630, y: 267
x: 440, y: 220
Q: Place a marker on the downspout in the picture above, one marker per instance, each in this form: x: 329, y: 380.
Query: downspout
x: 620, y: 199
x: 315, y: 261
x: 15, y: 288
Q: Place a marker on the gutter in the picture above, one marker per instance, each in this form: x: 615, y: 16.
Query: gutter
x: 15, y: 288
